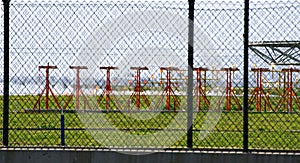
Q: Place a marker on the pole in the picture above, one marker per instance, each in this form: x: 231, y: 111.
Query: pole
x: 168, y: 90
x: 190, y: 74
x: 227, y: 90
x: 47, y: 87
x: 198, y: 87
x: 290, y: 83
x: 77, y: 89
x: 246, y: 78
x: 6, y: 73
x: 108, y: 89
x: 62, y: 127
x: 138, y: 95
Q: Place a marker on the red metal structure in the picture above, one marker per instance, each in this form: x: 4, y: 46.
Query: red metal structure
x: 259, y: 94
x: 200, y: 92
x: 289, y: 95
x: 47, y: 89
x: 168, y: 91
x: 78, y: 90
x: 230, y: 95
x: 108, y: 89
x: 138, y: 91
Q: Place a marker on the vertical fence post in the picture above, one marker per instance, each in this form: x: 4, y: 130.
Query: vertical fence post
x: 246, y: 80
x: 6, y: 72
x: 62, y: 126
x: 190, y: 74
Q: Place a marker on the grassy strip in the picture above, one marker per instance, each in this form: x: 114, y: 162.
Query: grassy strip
x: 267, y: 130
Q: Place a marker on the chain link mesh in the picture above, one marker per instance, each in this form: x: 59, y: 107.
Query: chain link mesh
x: 105, y: 74
x: 274, y: 75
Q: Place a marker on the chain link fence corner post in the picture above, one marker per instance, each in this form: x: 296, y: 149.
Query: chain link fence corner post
x: 245, y: 99
x: 6, y: 73
x: 190, y: 73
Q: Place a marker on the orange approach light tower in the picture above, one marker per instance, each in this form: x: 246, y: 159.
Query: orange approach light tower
x: 47, y: 89
x: 78, y: 90
x: 258, y: 93
x: 289, y: 95
x: 168, y: 91
x: 138, y: 88
x: 230, y: 95
x: 108, y: 89
x: 200, y: 92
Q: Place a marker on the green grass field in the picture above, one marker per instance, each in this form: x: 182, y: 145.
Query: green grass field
x: 149, y: 129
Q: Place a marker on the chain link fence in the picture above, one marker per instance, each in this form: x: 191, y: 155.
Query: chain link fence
x: 274, y: 75
x: 105, y: 74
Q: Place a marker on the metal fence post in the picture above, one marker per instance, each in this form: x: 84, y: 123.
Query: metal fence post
x: 62, y: 126
x: 190, y: 74
x: 246, y: 80
x: 6, y: 73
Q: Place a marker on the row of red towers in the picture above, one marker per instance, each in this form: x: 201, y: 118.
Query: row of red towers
x: 47, y: 89
x: 262, y: 99
x: 230, y: 97
x: 259, y: 97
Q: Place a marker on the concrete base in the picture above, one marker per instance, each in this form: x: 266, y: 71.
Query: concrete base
x: 90, y: 156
